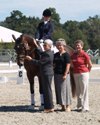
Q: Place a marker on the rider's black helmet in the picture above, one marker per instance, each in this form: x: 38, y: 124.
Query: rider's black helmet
x: 46, y: 12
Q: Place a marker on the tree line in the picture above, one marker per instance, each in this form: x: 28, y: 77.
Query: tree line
x: 88, y: 30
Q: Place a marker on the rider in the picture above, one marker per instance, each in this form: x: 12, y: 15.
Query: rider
x: 44, y: 31
x: 45, y: 28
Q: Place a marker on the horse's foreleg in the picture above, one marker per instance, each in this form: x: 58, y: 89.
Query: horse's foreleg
x: 31, y: 81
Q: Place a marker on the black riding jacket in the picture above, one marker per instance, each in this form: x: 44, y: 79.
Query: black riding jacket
x: 44, y: 31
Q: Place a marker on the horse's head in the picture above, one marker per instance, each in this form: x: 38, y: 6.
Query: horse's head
x: 24, y: 45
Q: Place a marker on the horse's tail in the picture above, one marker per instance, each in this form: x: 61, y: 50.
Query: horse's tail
x: 73, y: 86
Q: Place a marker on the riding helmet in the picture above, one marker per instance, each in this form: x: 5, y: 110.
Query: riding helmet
x: 46, y: 12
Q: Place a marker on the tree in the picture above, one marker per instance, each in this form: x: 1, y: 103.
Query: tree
x: 55, y: 15
x: 94, y: 32
x: 88, y: 30
x: 14, y: 21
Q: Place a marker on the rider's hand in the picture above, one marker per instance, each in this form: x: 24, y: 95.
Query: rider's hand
x: 37, y: 40
x: 41, y: 40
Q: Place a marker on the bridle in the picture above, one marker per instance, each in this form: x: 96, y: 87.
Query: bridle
x: 27, y: 49
x: 23, y: 49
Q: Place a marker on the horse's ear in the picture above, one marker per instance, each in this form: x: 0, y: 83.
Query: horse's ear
x: 14, y: 37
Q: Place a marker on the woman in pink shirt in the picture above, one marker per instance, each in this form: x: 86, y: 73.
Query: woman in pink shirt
x: 81, y: 64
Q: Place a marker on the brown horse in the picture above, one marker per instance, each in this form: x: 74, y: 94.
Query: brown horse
x: 24, y: 45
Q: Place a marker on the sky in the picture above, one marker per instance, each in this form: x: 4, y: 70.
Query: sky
x: 75, y: 10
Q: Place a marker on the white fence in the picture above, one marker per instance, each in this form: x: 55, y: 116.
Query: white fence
x: 8, y: 74
x: 93, y: 53
x: 7, y: 54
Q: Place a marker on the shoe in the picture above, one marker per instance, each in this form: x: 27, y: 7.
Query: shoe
x: 78, y: 109
x: 84, y: 110
x: 63, y: 108
x: 68, y: 109
x: 48, y: 110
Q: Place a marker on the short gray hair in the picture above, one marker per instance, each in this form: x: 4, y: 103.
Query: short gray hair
x: 49, y: 42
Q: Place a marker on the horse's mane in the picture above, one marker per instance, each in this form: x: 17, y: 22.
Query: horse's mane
x: 29, y: 39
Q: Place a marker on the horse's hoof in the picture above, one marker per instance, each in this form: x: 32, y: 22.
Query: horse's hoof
x: 41, y: 107
x: 31, y: 107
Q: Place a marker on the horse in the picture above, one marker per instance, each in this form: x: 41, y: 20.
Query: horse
x: 24, y: 45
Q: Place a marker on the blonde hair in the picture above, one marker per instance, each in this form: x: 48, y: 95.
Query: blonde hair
x: 61, y: 41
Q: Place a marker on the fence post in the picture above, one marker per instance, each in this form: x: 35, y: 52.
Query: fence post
x: 20, y: 77
x: 3, y: 79
x: 10, y: 63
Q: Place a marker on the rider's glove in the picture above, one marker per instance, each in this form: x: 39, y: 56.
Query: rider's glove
x: 41, y: 40
x: 37, y: 40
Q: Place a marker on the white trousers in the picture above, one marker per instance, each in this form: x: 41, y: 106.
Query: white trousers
x: 81, y: 81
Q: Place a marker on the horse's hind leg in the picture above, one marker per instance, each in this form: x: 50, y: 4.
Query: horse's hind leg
x: 41, y: 90
x: 32, y: 93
